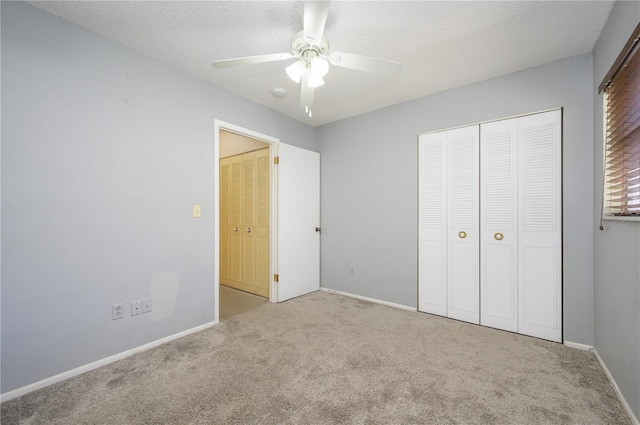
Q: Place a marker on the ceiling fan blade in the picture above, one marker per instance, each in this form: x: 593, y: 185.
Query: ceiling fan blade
x: 273, y: 57
x: 365, y: 63
x: 315, y: 17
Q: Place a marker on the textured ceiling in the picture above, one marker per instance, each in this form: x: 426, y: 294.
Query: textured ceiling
x: 441, y: 44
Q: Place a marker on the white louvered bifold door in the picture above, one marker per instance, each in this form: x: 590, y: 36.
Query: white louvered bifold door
x: 540, y: 226
x: 448, y: 224
x: 499, y: 231
x: 432, y: 226
x: 463, y: 224
x: 490, y: 224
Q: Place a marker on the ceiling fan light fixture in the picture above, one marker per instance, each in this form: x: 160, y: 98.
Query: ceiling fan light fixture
x: 295, y: 70
x: 318, y: 67
x: 315, y: 81
x: 311, y: 48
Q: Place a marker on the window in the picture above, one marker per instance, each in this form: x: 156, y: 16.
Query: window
x: 622, y: 138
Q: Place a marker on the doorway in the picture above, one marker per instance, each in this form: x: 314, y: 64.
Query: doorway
x: 237, y: 244
x: 294, y: 217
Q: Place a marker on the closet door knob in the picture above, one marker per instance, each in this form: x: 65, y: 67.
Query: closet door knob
x: 248, y: 229
x: 498, y: 236
x: 235, y: 228
x: 462, y: 235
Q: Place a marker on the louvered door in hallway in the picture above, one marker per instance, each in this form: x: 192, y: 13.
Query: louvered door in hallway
x: 244, y: 222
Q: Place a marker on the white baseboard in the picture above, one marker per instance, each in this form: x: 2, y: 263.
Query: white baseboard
x: 373, y: 300
x: 623, y: 400
x: 102, y: 362
x: 578, y: 346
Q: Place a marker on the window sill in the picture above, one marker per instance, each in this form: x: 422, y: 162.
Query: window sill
x: 621, y: 218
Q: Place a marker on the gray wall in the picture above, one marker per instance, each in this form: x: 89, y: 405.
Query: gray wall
x: 104, y: 151
x: 617, y: 248
x: 369, y: 183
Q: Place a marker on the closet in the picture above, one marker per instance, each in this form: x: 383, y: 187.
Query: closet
x: 244, y: 222
x: 490, y: 224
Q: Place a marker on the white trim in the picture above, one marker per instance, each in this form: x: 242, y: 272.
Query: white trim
x: 620, y: 218
x: 623, y: 400
x: 99, y: 363
x: 373, y: 300
x: 274, y: 213
x: 578, y: 346
x: 216, y: 219
x: 494, y: 120
x: 244, y: 132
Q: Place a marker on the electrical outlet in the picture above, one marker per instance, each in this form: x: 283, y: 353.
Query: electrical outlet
x: 352, y: 269
x: 117, y: 311
x: 146, y: 305
x: 136, y: 307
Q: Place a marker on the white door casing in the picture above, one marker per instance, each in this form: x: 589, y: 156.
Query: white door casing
x: 297, y: 178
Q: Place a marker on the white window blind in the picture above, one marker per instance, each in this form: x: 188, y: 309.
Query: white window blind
x: 622, y: 121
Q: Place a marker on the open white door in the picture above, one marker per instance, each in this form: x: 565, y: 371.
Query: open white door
x: 297, y: 182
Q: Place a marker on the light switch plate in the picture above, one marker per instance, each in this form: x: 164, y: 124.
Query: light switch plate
x: 196, y: 211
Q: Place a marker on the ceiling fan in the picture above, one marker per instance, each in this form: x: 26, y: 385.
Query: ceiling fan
x: 311, y: 50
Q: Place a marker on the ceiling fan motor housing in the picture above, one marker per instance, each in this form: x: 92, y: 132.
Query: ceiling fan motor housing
x: 302, y: 47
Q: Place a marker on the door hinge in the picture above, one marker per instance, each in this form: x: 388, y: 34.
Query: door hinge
x: 276, y: 160
x: 276, y: 278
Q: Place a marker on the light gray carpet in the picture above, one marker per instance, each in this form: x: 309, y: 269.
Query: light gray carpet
x: 328, y: 359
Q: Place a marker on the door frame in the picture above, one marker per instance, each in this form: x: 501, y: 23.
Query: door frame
x: 273, y: 243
